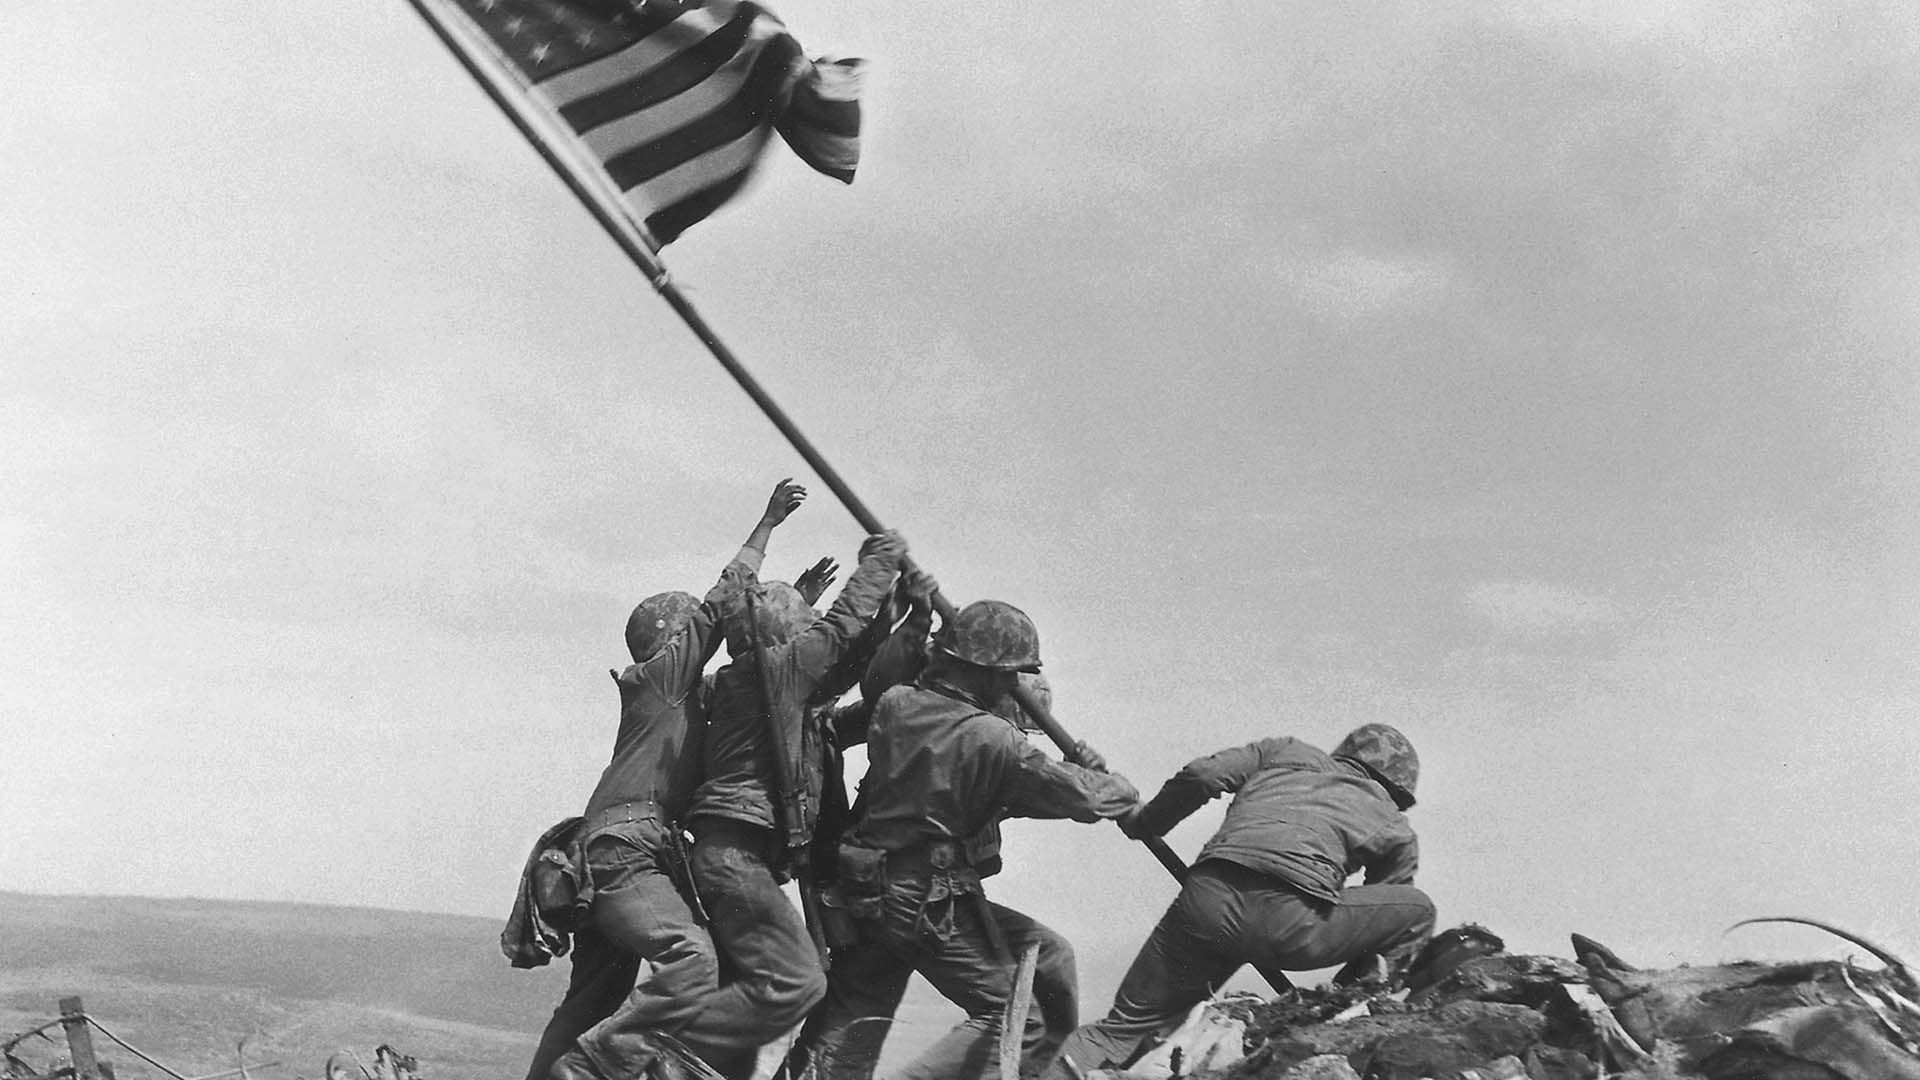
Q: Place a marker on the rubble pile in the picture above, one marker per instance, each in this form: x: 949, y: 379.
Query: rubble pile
x: 1470, y: 1011
x: 1473, y: 1011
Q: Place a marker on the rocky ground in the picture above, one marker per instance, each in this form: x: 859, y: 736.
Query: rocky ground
x: 1478, y: 1013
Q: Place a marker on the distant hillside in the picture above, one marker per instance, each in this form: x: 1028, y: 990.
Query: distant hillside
x: 184, y: 980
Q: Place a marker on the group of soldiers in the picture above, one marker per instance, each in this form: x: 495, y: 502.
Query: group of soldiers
x: 721, y: 788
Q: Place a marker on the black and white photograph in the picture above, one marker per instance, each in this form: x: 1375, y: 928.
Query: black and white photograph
x: 821, y: 540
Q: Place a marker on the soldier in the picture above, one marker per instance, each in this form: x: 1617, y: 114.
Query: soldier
x: 1269, y: 888
x: 634, y: 862
x: 742, y: 819
x: 943, y: 770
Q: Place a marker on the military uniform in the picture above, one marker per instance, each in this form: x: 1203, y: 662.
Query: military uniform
x: 942, y: 772
x: 774, y: 974
x: 634, y: 862
x: 1268, y: 889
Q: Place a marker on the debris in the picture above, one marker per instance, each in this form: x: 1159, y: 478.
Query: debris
x: 388, y: 1064
x: 1013, y: 1019
x: 1447, y: 951
x: 1898, y: 968
x: 1591, y: 953
x: 1211, y: 1039
x: 1501, y: 1016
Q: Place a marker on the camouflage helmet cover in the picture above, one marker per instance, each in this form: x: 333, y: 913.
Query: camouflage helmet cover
x: 780, y: 613
x: 993, y: 634
x: 1386, y: 753
x: 655, y: 620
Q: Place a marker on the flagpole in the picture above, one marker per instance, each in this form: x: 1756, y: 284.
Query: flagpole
x: 613, y: 216
x: 632, y: 240
x: 623, y: 230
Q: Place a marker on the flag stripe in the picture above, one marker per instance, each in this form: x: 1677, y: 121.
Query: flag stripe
x: 657, y: 43
x: 822, y: 119
x: 840, y: 119
x: 674, y: 76
x: 675, y: 100
x: 627, y: 133
x: 671, y: 222
x: 745, y: 111
x: 733, y: 160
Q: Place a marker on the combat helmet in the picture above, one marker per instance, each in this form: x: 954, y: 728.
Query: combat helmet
x: 1387, y: 755
x: 993, y: 634
x: 779, y: 612
x: 655, y: 620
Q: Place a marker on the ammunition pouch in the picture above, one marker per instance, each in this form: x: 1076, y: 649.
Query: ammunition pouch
x: 863, y: 881
x: 945, y: 865
x: 940, y: 873
x: 558, y: 886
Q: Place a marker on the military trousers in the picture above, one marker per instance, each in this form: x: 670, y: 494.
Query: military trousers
x: 771, y: 973
x: 1228, y: 915
x: 947, y: 941
x: 638, y: 915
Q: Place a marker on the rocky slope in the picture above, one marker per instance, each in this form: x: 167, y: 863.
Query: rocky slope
x: 1474, y: 1012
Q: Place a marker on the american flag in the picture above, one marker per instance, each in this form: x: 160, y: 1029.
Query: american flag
x: 676, y: 98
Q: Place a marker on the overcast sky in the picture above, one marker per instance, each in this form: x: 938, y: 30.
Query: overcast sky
x: 1536, y: 376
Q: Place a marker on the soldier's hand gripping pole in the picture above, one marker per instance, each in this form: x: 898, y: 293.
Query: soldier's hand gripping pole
x: 1070, y: 749
x: 1175, y: 865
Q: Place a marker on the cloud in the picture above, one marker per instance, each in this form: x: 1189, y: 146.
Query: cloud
x: 1350, y: 284
x: 1710, y: 29
x: 1534, y: 607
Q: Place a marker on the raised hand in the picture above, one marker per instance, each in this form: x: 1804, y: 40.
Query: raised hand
x: 786, y: 498
x: 814, y: 580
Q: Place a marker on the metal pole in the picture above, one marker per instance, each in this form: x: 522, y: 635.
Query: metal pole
x: 535, y: 128
x: 632, y: 241
x: 619, y: 225
x: 616, y: 219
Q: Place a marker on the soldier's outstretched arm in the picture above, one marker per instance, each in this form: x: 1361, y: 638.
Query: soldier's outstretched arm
x: 744, y: 569
x: 786, y: 498
x: 1201, y: 781
x: 1040, y: 787
x: 821, y: 645
x: 678, y: 667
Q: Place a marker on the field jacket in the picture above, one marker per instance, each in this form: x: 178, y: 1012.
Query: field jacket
x: 741, y: 776
x: 1297, y: 814
x: 941, y: 767
x: 658, y: 747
